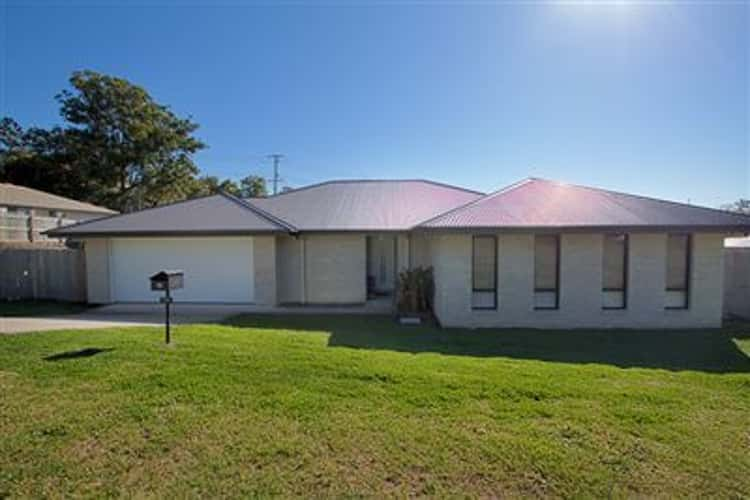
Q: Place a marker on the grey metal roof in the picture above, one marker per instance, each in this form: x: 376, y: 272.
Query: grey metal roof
x: 364, y: 205
x: 219, y: 214
x: 401, y: 205
x: 540, y: 203
x: 21, y: 196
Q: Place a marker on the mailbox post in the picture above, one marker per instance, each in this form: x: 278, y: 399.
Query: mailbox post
x: 167, y: 280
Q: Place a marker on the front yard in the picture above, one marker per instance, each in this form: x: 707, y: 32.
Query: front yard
x: 317, y: 406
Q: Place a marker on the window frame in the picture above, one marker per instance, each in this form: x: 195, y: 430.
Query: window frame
x: 557, y: 275
x: 625, y: 273
x: 688, y: 272
x: 474, y: 289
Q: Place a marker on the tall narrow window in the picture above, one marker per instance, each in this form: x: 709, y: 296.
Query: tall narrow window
x: 484, y: 273
x: 546, y: 272
x: 615, y: 271
x: 678, y: 271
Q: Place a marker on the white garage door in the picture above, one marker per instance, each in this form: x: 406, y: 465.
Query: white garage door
x: 216, y: 269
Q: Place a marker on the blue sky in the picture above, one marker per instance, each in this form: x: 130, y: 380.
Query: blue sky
x: 650, y: 98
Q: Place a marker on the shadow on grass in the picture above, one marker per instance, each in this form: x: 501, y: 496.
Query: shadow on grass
x: 37, y: 308
x: 699, y: 350
x: 81, y: 353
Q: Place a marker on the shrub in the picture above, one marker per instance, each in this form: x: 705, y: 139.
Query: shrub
x: 416, y: 288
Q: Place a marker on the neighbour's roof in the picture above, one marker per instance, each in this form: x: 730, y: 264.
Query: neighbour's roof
x: 538, y: 203
x: 364, y: 205
x: 21, y: 196
x: 219, y: 214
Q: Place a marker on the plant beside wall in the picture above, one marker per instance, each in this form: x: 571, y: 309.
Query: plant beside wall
x: 416, y: 288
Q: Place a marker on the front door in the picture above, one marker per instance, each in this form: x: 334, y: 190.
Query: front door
x: 381, y: 262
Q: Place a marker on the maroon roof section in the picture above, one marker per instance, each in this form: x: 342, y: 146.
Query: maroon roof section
x: 540, y: 203
x: 364, y: 205
x: 219, y: 214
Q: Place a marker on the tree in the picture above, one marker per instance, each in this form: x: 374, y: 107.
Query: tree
x: 119, y: 148
x: 741, y: 206
x: 42, y: 159
x: 253, y: 186
x: 135, y: 150
x: 209, y: 184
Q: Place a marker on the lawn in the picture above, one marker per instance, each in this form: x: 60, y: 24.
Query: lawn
x: 35, y: 308
x: 333, y: 406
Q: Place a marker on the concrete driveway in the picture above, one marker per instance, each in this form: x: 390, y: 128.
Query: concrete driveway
x: 120, y: 315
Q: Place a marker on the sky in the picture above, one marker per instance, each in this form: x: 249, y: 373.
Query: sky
x: 643, y: 97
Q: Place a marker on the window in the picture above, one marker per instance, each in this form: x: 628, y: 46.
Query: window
x: 546, y: 272
x: 615, y: 271
x: 678, y: 271
x: 484, y: 273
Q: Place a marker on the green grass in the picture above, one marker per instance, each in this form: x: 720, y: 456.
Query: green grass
x: 342, y: 406
x: 35, y: 308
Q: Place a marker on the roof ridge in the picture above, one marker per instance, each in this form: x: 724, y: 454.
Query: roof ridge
x: 354, y: 181
x: 610, y: 193
x: 508, y: 188
x: 451, y: 186
x: 258, y: 211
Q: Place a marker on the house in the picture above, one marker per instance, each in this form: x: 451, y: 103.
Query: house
x: 28, y: 201
x: 539, y: 253
x: 27, y: 212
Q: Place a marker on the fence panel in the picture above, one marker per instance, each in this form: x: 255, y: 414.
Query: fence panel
x: 55, y: 273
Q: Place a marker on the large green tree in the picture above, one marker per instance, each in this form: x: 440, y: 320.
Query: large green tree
x: 136, y: 150
x: 118, y: 148
x: 42, y: 159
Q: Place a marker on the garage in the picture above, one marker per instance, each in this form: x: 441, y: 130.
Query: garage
x: 217, y: 269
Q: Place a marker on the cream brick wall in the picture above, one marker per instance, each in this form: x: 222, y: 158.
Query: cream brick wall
x: 335, y: 269
x: 419, y: 251
x: 97, y: 271
x: 402, y: 252
x: 264, y: 263
x: 289, y: 269
x: 580, y: 284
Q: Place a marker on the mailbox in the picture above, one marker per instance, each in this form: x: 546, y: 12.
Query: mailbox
x: 167, y: 280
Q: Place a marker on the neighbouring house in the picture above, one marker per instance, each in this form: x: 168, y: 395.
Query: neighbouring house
x: 539, y: 253
x: 25, y: 213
